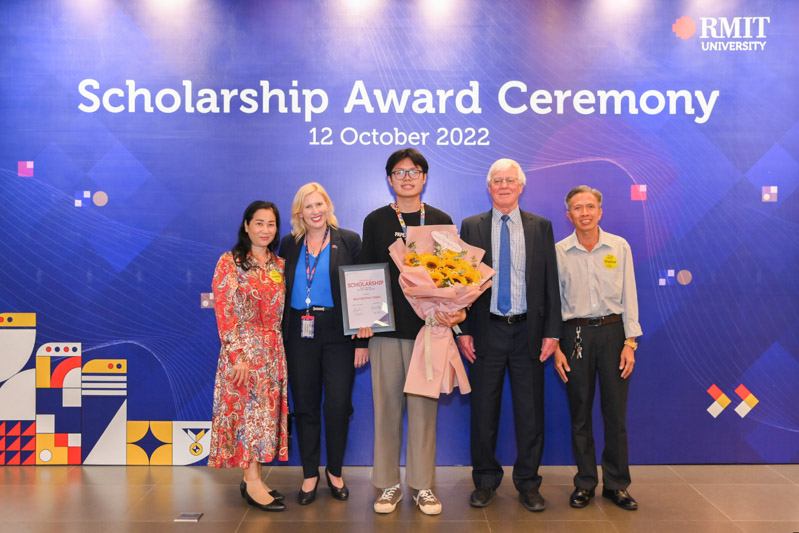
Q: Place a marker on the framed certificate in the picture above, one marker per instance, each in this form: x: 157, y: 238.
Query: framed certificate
x: 366, y: 297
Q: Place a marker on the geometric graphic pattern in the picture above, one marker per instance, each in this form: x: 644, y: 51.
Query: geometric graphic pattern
x: 76, y: 409
x: 684, y: 27
x: 149, y: 443
x: 684, y: 277
x: 638, y: 192
x: 17, y: 387
x: 17, y: 442
x: 86, y: 198
x: 749, y: 401
x: 207, y: 300
x: 25, y: 169
x: 667, y: 277
x: 190, y: 441
x: 58, y: 403
x: 720, y: 401
x: 83, y: 198
x: 128, y: 274
x: 104, y: 411
x: 769, y: 194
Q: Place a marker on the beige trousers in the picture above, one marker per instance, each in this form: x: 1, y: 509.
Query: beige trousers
x: 390, y: 359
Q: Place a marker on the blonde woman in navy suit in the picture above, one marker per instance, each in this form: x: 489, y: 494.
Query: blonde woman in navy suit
x: 319, y: 355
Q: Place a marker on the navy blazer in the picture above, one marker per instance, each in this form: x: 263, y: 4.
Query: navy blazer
x: 345, y: 247
x: 541, y: 277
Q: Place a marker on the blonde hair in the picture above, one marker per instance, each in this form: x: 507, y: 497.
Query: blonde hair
x: 298, y: 227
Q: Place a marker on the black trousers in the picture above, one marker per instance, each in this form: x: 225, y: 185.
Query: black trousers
x: 506, y: 346
x: 325, y: 362
x: 601, y: 357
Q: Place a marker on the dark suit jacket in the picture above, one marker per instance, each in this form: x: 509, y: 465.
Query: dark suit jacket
x: 345, y: 246
x: 541, y: 276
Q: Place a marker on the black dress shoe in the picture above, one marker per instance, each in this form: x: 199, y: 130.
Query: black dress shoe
x: 274, y: 505
x: 482, y: 496
x: 580, y: 497
x: 305, y: 498
x: 273, y: 493
x: 532, y: 500
x: 338, y: 493
x: 621, y: 498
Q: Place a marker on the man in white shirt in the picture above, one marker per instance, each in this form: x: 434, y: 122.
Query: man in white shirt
x: 599, y: 305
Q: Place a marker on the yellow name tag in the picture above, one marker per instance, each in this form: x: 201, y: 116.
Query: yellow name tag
x: 275, y: 275
x: 610, y: 261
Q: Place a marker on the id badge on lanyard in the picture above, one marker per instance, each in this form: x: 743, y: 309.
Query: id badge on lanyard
x: 306, y: 330
x: 307, y: 327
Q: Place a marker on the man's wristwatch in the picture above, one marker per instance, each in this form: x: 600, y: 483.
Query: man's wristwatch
x: 631, y: 344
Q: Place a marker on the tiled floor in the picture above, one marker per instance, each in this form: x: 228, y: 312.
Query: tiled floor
x: 755, y: 498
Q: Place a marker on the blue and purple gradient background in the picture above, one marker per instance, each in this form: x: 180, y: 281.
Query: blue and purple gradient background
x: 125, y: 279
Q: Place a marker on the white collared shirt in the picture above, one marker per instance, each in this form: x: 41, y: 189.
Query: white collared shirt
x: 518, y: 256
x: 600, y: 282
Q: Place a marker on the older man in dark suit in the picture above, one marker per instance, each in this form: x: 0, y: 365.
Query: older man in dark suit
x: 513, y: 325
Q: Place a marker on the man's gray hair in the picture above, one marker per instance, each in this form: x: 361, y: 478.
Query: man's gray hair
x: 502, y: 164
x: 583, y: 188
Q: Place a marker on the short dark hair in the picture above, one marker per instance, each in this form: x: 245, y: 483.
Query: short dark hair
x: 583, y: 188
x: 244, y: 245
x: 409, y: 153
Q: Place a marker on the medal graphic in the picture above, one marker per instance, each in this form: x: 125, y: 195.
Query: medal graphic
x: 190, y: 442
x: 195, y: 448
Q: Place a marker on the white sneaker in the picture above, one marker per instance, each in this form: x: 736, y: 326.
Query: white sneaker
x: 427, y: 502
x: 388, y: 501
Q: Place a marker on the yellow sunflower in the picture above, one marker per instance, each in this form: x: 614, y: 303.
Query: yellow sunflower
x: 429, y: 261
x: 412, y: 260
x: 471, y: 276
x: 457, y: 279
x: 462, y: 264
x: 445, y: 277
x: 449, y: 263
x: 437, y: 277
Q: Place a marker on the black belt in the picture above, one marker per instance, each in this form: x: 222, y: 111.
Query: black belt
x: 594, y: 321
x: 313, y: 308
x: 510, y: 319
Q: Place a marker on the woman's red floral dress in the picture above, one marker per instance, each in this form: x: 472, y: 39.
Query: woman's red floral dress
x: 249, y: 422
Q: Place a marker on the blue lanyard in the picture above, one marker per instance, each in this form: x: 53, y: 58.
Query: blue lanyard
x: 309, y: 272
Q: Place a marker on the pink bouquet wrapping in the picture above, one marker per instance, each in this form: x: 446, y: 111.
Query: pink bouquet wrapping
x: 438, y: 272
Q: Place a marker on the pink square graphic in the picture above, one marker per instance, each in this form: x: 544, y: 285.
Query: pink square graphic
x: 25, y: 169
x: 769, y: 194
x: 638, y: 192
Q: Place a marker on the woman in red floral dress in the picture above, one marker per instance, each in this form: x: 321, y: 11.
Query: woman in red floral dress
x: 250, y: 398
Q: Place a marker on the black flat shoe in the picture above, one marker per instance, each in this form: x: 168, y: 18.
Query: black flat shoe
x: 272, y: 506
x: 304, y: 498
x: 273, y: 493
x: 621, y: 498
x: 338, y: 493
x: 580, y: 497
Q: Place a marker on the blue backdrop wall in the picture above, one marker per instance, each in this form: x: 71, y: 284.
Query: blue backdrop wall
x: 135, y: 133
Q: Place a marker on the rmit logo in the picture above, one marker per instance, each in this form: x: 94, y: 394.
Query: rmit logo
x: 684, y: 27
x: 722, y: 27
x: 734, y: 28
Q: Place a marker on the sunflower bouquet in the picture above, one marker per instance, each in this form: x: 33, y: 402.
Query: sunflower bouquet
x: 438, y: 272
x: 446, y: 267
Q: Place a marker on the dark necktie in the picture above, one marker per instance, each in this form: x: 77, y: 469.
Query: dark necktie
x: 503, y: 298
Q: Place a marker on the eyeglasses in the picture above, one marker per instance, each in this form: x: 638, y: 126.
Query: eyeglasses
x: 500, y: 181
x: 413, y: 174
